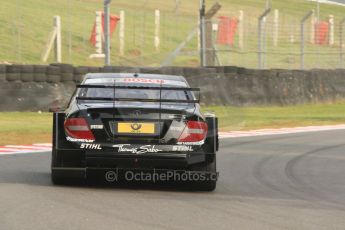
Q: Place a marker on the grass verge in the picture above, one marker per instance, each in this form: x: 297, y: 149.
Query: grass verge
x: 27, y: 128
x: 249, y: 118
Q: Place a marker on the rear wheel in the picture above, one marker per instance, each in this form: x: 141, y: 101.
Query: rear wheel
x: 59, y: 176
x: 210, y: 183
x: 209, y: 166
x: 65, y: 180
x: 64, y: 156
x: 54, y: 176
x: 59, y: 180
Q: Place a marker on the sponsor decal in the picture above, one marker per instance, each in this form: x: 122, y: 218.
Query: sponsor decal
x: 144, y: 80
x: 139, y: 80
x: 96, y: 126
x: 90, y: 146
x: 191, y: 143
x: 177, y: 129
x: 71, y: 139
x: 136, y: 113
x: 152, y: 148
x: 182, y: 148
x: 137, y: 150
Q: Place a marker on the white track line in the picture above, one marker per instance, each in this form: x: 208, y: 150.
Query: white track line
x: 265, y: 132
x: 26, y: 147
x: 43, y: 144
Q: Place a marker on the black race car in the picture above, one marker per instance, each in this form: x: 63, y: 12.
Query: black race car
x: 138, y: 122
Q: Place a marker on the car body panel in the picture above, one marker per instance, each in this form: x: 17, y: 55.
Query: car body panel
x: 165, y: 122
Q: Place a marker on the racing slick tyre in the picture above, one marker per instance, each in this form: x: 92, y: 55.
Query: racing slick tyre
x: 210, y: 183
x: 64, y: 180
x: 65, y: 168
x: 209, y: 166
x: 211, y: 145
x: 63, y: 177
x: 56, y: 177
x: 58, y: 180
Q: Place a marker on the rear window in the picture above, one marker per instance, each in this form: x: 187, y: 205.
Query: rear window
x: 134, y: 93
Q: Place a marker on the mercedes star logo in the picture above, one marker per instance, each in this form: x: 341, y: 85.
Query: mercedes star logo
x: 136, y: 113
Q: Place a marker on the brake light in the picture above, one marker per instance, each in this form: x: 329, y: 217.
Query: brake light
x: 78, y: 128
x: 195, y: 131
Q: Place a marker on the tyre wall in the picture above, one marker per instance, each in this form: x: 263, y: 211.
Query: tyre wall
x: 40, y: 87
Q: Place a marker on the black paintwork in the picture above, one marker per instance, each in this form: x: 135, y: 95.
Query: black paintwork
x: 170, y: 118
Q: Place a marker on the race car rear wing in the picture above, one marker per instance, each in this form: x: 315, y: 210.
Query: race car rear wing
x: 160, y: 100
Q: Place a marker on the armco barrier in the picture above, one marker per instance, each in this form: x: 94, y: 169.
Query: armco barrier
x: 39, y: 87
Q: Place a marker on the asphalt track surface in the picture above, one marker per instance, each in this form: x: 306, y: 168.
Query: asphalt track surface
x: 291, y: 181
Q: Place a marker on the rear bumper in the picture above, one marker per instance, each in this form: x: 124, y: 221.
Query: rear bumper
x: 99, y: 164
x: 69, y: 172
x: 69, y: 158
x: 130, y: 174
x: 158, y: 161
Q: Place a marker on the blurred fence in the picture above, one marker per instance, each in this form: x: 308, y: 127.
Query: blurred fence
x: 148, y: 35
x: 279, y: 41
x: 25, y: 31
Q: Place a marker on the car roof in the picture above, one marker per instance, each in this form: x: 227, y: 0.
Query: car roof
x: 139, y: 75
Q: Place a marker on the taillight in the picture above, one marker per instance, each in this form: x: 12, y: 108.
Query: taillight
x: 78, y: 128
x: 195, y: 131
